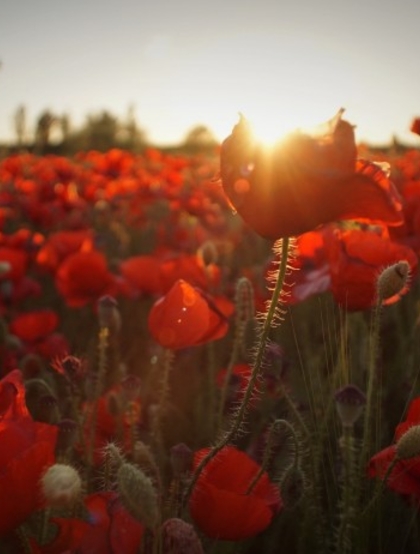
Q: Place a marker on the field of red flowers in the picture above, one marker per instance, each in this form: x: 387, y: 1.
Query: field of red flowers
x: 193, y: 359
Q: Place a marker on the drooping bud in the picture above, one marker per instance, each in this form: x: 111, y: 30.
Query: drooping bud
x: 137, y: 494
x: 349, y: 401
x: 61, y: 486
x: 408, y: 446
x: 392, y: 282
x: 178, y: 537
x: 108, y: 314
x: 292, y: 486
x: 181, y: 459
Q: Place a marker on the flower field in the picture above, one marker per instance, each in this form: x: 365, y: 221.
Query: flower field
x: 211, y: 353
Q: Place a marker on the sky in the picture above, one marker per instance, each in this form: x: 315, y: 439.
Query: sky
x: 181, y: 63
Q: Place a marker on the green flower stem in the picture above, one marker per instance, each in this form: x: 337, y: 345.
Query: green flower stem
x: 347, y: 511
x: 259, y: 357
x: 157, y: 420
x: 371, y: 382
x: 268, y: 450
x: 93, y: 412
x: 239, y: 333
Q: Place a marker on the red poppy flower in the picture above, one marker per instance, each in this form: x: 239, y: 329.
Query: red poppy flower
x: 27, y: 450
x: 415, y: 126
x: 112, y: 529
x: 69, y: 535
x: 356, y: 261
x: 192, y: 269
x: 18, y: 260
x: 61, y: 244
x: 34, y: 325
x: 405, y: 477
x: 304, y: 181
x: 143, y: 273
x: 186, y: 317
x: 84, y: 277
x: 220, y: 504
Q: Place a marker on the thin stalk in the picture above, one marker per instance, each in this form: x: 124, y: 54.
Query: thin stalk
x: 259, y: 357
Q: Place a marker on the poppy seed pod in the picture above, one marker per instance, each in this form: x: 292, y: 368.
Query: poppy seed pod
x: 108, y: 314
x: 61, y: 485
x: 349, y: 401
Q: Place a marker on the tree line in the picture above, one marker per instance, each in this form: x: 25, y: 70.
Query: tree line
x: 103, y: 130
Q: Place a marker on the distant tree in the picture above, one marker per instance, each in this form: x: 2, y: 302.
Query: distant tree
x: 20, y: 125
x: 44, y: 126
x: 130, y: 135
x: 65, y: 127
x: 198, y: 138
x: 101, y: 131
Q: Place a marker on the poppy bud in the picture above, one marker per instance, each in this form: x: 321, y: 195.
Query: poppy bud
x: 349, y: 402
x: 392, y: 282
x: 108, y: 313
x: 137, y: 494
x: 408, y: 445
x: 180, y: 536
x: 142, y: 455
x: 61, y: 485
x: 112, y: 453
x: 181, y: 459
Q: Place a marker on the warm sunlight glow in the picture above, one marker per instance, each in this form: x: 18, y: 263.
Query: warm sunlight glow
x: 299, y: 86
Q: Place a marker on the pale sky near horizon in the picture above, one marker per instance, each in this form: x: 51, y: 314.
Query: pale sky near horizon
x: 182, y: 63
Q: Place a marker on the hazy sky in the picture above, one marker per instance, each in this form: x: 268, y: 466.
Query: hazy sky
x: 183, y: 62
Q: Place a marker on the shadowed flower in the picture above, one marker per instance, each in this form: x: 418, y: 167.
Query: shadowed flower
x: 27, y: 450
x: 304, y: 181
x: 68, y: 536
x: 222, y: 505
x: 84, y: 277
x: 112, y: 529
x: 185, y: 317
x: 34, y: 325
x: 404, y: 478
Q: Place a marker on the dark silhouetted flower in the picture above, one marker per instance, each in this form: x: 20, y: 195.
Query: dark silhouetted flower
x: 304, y: 181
